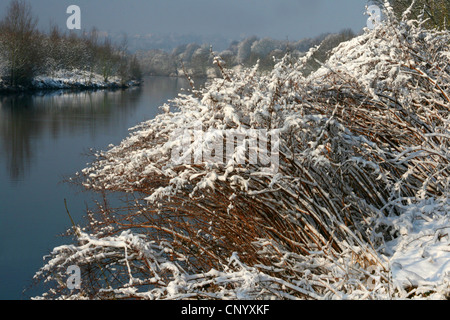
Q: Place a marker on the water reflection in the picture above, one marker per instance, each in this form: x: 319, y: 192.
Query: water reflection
x: 25, y: 119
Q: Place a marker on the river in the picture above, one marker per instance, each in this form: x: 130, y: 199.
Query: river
x: 44, y: 138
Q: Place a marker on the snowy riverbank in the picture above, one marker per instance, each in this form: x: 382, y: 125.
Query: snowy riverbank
x: 76, y: 79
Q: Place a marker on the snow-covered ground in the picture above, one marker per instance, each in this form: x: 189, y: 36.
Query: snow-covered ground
x: 75, y: 79
x: 64, y: 79
x: 419, y: 256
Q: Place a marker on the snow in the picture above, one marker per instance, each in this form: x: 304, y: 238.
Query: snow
x: 65, y: 79
x: 71, y: 79
x: 358, y: 208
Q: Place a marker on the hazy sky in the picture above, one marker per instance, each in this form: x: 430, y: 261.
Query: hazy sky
x: 279, y: 19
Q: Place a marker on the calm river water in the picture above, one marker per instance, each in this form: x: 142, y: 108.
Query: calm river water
x: 44, y: 139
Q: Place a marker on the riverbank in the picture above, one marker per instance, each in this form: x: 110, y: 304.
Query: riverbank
x: 75, y: 80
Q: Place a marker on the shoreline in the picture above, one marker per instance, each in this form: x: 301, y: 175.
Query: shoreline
x: 69, y: 80
x: 11, y: 90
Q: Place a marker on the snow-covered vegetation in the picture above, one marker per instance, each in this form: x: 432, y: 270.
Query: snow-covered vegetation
x: 359, y: 208
x: 79, y: 79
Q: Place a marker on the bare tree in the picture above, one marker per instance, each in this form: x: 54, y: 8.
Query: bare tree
x: 135, y: 69
x: 19, y: 38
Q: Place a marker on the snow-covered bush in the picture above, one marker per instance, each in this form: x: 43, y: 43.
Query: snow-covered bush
x: 363, y: 172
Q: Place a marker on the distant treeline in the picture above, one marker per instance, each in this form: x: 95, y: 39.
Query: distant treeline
x: 197, y: 60
x: 26, y: 52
